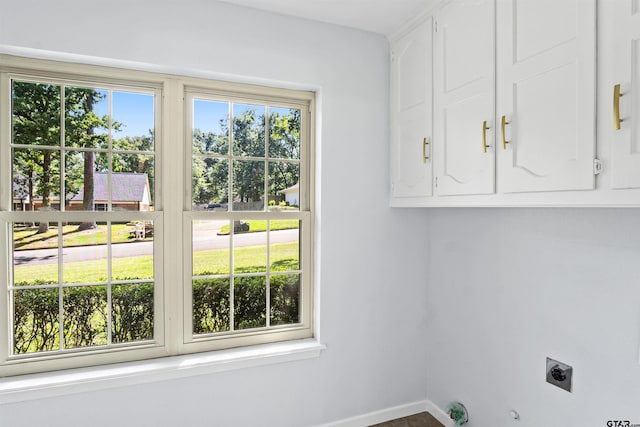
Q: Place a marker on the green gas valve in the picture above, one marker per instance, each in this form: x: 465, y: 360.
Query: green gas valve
x: 458, y: 413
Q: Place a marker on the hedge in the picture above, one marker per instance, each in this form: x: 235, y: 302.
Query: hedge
x: 36, y: 321
x: 36, y: 311
x: 211, y: 311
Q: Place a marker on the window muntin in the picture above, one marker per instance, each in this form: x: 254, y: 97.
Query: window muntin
x: 52, y: 153
x: 247, y: 217
x: 265, y: 156
x: 260, y: 272
x: 108, y: 308
x: 79, y: 187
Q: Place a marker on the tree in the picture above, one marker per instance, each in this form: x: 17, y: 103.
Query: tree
x: 80, y: 125
x: 248, y: 140
x: 284, y: 143
x: 36, y: 122
x: 284, y: 135
x: 36, y: 109
x: 210, y: 176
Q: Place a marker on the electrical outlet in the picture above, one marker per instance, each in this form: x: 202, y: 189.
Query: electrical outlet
x: 559, y: 374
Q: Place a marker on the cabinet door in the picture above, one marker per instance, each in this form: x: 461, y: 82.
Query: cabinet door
x: 464, y: 96
x: 411, y: 109
x: 624, y: 40
x: 546, y: 91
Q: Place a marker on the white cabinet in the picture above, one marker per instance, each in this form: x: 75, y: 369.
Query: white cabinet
x: 622, y: 29
x: 411, y: 115
x: 545, y: 91
x: 464, y: 91
x: 516, y: 101
x: 546, y: 94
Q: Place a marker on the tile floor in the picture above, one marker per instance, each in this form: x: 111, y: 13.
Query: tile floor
x: 423, y: 419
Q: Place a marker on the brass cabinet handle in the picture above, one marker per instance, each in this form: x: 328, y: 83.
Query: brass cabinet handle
x: 503, y: 125
x: 425, y: 142
x: 616, y: 107
x: 485, y: 127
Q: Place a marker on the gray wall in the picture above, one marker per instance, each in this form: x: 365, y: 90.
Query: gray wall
x: 509, y: 287
x: 372, y: 258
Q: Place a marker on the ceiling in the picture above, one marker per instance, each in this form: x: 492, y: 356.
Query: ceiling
x: 378, y: 16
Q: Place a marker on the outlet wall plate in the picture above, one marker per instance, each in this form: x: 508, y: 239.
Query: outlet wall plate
x: 559, y: 374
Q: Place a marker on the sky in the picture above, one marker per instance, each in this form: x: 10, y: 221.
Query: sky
x: 207, y: 114
x: 134, y: 110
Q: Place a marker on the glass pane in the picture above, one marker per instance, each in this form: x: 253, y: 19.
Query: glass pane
x: 248, y: 130
x: 284, y: 186
x: 210, y: 247
x: 285, y: 299
x: 84, y: 183
x: 101, y: 110
x: 133, y: 259
x: 249, y: 302
x: 22, y: 184
x: 210, y: 127
x: 284, y: 250
x: 132, y: 182
x: 210, y: 305
x: 85, y: 316
x: 248, y: 185
x: 35, y: 109
x: 36, y: 178
x: 35, y: 320
x: 35, y: 256
x: 132, y: 312
x: 210, y: 184
x: 284, y: 133
x: 84, y: 253
x: 86, y: 117
x: 134, y: 143
x: 249, y: 246
x: 133, y: 121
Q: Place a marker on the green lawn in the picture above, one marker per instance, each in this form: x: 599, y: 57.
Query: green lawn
x: 261, y: 225
x: 284, y: 257
x: 25, y: 238
x: 28, y: 238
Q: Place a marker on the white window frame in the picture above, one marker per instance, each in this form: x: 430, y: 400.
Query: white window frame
x: 253, y: 96
x: 172, y: 280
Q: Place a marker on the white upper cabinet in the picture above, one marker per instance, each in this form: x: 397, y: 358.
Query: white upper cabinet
x: 520, y: 115
x: 411, y: 114
x: 622, y: 28
x: 464, y: 152
x: 546, y: 95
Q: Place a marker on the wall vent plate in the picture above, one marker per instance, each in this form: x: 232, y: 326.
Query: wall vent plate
x: 559, y: 374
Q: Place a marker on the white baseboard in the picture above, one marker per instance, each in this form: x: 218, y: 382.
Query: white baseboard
x: 392, y: 414
x: 439, y: 414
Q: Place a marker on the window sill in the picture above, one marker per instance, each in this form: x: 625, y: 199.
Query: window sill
x: 39, y: 386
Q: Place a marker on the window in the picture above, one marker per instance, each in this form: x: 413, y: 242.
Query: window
x: 248, y: 224
x: 91, y: 213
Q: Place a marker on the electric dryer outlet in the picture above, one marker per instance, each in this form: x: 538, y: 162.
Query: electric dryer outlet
x: 559, y: 374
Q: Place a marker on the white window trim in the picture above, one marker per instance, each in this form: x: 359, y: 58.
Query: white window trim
x: 61, y: 383
x: 172, y: 342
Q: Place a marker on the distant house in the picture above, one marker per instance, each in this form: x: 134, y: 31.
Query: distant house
x: 129, y: 191
x: 20, y: 194
x: 292, y: 195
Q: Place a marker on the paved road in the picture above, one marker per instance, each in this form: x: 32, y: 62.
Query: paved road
x: 204, y: 238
